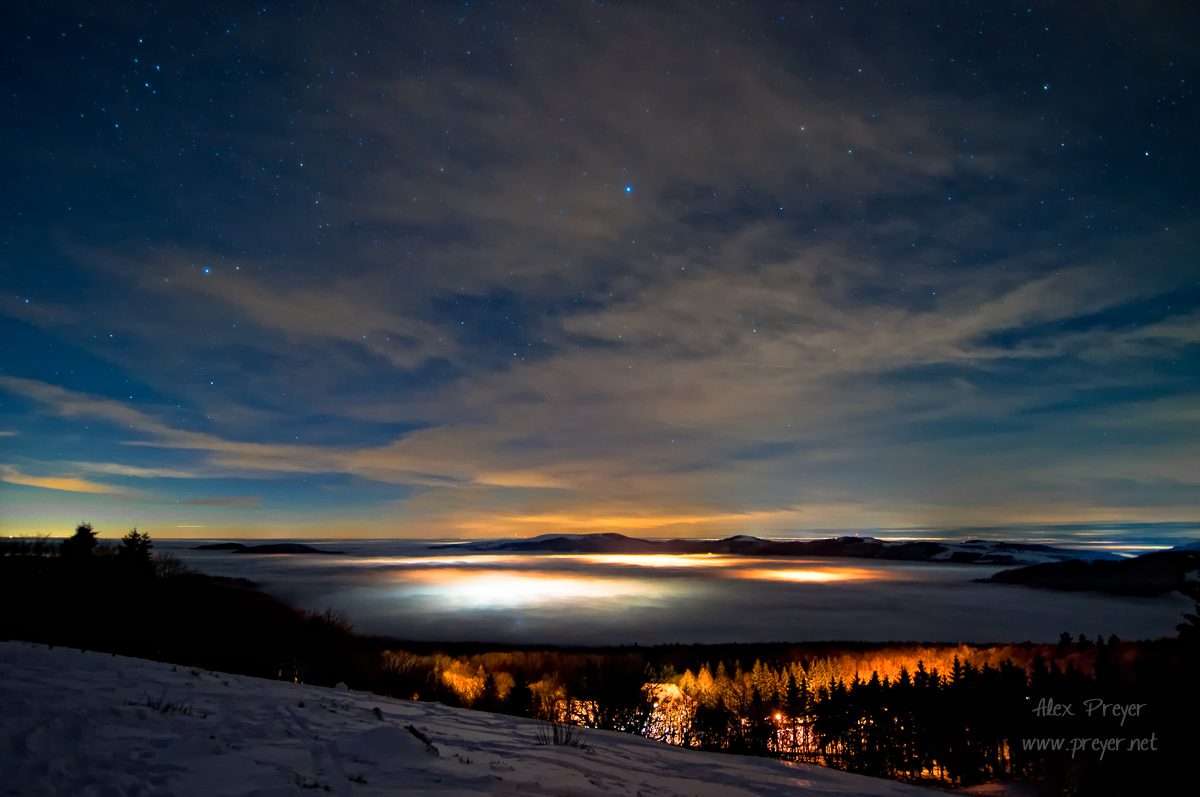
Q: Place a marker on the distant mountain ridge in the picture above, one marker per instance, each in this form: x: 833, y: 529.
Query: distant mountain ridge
x: 983, y: 552
x: 277, y: 547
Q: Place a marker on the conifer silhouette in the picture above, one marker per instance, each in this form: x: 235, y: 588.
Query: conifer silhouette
x: 80, y: 546
x: 134, y: 553
x: 1189, y: 632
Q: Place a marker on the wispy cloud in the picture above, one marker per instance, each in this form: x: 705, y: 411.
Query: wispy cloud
x: 117, y: 469
x: 70, y: 484
x: 250, y: 502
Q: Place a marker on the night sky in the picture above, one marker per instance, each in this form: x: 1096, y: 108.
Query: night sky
x: 470, y: 269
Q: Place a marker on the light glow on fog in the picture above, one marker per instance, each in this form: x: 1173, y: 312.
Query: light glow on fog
x: 432, y: 561
x: 807, y: 575
x: 494, y: 589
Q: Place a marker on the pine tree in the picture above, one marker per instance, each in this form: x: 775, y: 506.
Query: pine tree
x: 134, y: 553
x: 489, y: 697
x: 921, y: 677
x: 520, y: 698
x: 80, y: 546
x: 791, y: 708
x: 1189, y: 632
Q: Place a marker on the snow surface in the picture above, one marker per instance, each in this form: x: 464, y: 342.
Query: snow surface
x: 85, y: 723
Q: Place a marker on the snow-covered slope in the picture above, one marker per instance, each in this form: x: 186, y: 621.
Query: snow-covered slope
x: 89, y: 724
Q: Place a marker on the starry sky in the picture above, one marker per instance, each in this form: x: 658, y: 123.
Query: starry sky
x: 465, y: 269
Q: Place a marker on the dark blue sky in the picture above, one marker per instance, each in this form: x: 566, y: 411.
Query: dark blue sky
x: 667, y: 269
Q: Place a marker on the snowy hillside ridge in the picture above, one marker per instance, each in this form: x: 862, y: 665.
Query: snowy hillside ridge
x: 84, y: 723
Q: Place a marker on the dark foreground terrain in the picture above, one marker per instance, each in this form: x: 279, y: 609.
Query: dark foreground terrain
x: 186, y: 618
x: 1149, y: 574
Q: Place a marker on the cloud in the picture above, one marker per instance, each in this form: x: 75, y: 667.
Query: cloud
x: 68, y: 403
x: 350, y: 312
x: 116, y: 469
x: 581, y: 125
x: 250, y: 502
x: 428, y: 457
x: 70, y: 484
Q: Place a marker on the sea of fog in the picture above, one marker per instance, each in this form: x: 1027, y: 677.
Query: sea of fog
x: 410, y: 590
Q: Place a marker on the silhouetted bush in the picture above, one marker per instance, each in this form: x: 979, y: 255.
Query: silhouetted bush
x: 168, y: 565
x: 330, y: 620
x: 561, y: 734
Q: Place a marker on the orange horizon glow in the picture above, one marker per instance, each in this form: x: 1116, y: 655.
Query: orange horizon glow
x: 655, y: 559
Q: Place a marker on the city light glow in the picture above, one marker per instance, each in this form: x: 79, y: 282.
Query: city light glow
x: 807, y: 575
x: 493, y: 589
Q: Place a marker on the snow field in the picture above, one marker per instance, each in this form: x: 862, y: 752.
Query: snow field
x: 86, y: 723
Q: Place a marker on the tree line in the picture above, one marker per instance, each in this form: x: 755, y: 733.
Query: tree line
x: 970, y: 718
